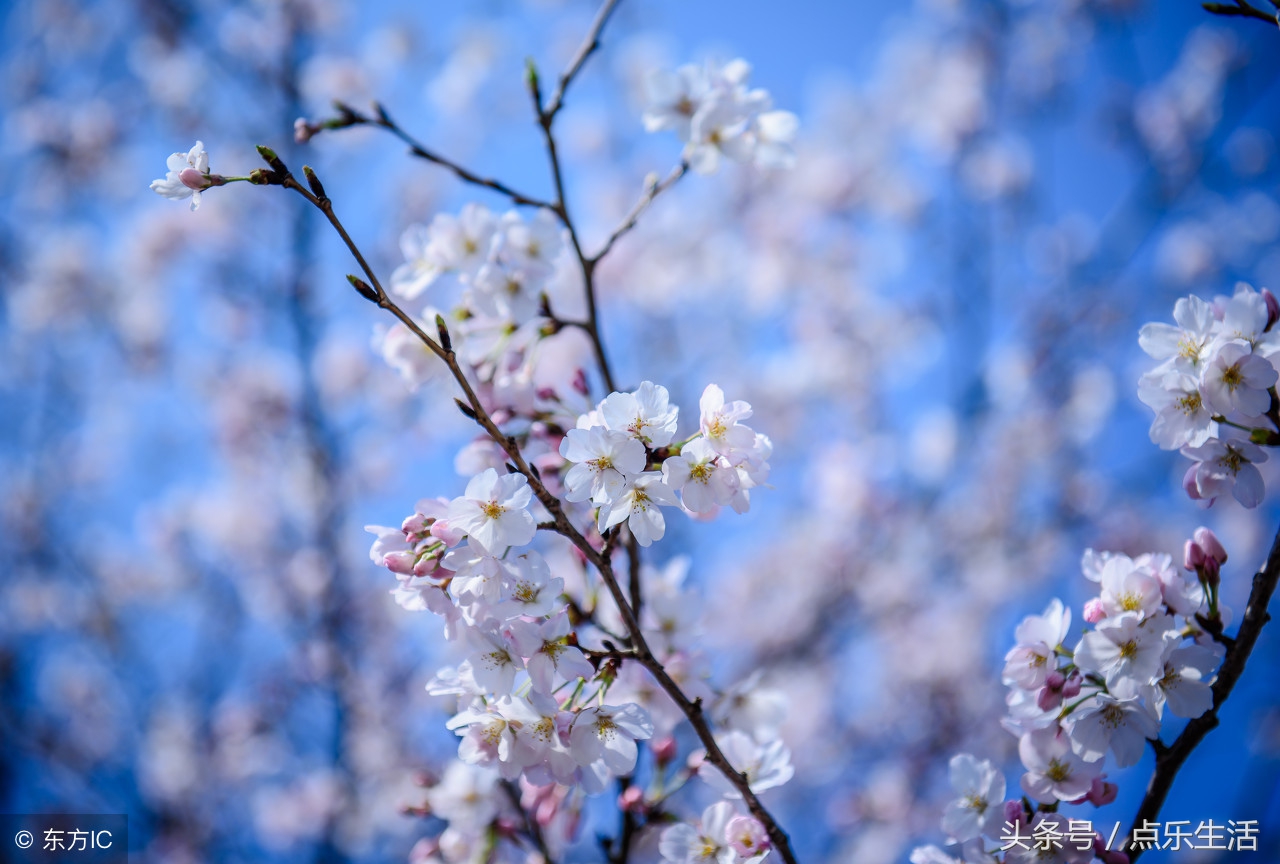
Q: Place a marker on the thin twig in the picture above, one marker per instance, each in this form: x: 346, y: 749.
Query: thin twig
x: 588, y: 47
x: 619, y: 851
x: 1244, y: 9
x: 546, y: 118
x: 531, y: 826
x: 417, y: 148
x: 633, y: 571
x: 1169, y: 760
x: 653, y: 190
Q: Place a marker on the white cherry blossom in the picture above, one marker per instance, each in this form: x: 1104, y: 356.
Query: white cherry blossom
x: 609, y: 733
x: 704, y: 843
x: 1106, y: 722
x: 603, y: 459
x: 976, y: 810
x: 645, y: 414
x: 188, y: 176
x: 493, y: 511
x: 639, y: 505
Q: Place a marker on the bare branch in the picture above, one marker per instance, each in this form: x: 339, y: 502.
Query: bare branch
x: 588, y: 47
x: 384, y: 121
x: 653, y: 190
x: 1244, y: 9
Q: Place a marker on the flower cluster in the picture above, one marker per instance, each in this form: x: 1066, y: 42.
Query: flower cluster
x: 543, y: 698
x: 713, y: 111
x: 721, y: 836
x: 502, y: 262
x: 549, y: 707
x: 1151, y: 649
x: 613, y: 446
x: 1214, y: 390
x: 508, y: 613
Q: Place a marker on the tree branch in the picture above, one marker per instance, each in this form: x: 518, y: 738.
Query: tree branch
x: 588, y: 47
x: 546, y: 117
x: 692, y: 709
x: 1169, y: 760
x: 1244, y: 9
x: 531, y: 826
x: 652, y: 191
x: 351, y: 117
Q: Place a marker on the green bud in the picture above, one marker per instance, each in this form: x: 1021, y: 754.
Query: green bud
x: 314, y: 182
x: 443, y: 332
x: 364, y: 288
x: 269, y: 156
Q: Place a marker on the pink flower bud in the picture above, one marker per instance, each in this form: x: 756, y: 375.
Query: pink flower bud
x: 302, y: 130
x: 415, y: 524
x: 400, y: 562
x: 1094, y: 611
x: 665, y: 749
x: 632, y: 800
x: 1212, y: 546
x: 1273, y: 308
x: 193, y: 178
x: 441, y: 531
x: 746, y: 836
x: 426, y: 565
x: 1014, y: 814
x: 1048, y: 698
x: 580, y: 382
x: 1192, y: 555
x: 1055, y: 680
x: 1071, y: 687
x: 1101, y: 792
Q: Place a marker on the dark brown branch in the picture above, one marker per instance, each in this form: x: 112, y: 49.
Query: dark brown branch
x: 546, y: 117
x: 633, y: 572
x: 619, y: 851
x: 384, y: 121
x: 531, y: 826
x: 1169, y: 760
x: 1243, y: 9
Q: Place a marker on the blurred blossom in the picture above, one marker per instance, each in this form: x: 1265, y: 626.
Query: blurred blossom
x: 1187, y: 254
x: 1179, y: 112
x: 467, y: 69
x: 997, y: 169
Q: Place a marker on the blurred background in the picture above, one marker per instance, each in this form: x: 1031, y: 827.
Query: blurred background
x: 935, y: 315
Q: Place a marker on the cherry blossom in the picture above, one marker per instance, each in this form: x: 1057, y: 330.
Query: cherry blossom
x: 188, y: 176
x: 609, y: 733
x: 976, y: 811
x: 493, y: 510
